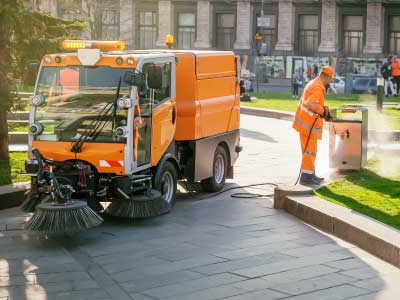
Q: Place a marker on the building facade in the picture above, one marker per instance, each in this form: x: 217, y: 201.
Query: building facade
x: 281, y: 35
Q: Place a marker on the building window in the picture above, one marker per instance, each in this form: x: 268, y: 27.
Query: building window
x: 110, y: 24
x: 70, y: 9
x: 308, y: 35
x: 147, y: 29
x: 268, y: 33
x: 225, y: 31
x: 353, y: 35
x: 186, y: 30
x: 394, y: 34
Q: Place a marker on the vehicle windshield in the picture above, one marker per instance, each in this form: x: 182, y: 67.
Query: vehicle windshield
x: 75, y: 97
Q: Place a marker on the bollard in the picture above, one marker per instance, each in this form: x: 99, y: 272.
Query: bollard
x: 379, y: 93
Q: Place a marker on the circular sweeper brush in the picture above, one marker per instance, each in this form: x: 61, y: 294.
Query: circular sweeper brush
x: 148, y: 204
x: 68, y: 217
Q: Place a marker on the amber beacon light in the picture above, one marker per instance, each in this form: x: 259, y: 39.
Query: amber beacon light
x: 87, y: 44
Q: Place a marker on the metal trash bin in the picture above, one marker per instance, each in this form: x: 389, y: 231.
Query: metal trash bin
x: 348, y: 138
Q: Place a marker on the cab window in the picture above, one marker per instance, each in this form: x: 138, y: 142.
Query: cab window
x: 158, y: 77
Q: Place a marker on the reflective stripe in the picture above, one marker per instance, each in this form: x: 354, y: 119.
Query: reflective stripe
x: 302, y: 124
x: 307, y: 171
x: 310, y: 113
x: 310, y: 153
x: 315, y: 104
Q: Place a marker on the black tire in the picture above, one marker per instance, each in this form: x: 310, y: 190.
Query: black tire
x: 165, y: 181
x: 217, y: 181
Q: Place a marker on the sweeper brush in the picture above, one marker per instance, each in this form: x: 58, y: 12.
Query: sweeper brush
x: 149, y: 204
x: 69, y: 217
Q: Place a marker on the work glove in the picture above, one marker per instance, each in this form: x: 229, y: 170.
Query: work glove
x: 327, y: 114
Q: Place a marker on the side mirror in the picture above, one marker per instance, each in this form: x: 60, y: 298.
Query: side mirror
x: 133, y: 78
x: 31, y: 73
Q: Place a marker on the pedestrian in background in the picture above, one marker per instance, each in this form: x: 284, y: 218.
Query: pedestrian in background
x: 309, y: 73
x: 315, y: 71
x: 386, y: 71
x: 396, y: 73
x: 296, y: 82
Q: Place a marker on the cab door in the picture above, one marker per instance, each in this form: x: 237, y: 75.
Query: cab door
x: 160, y: 75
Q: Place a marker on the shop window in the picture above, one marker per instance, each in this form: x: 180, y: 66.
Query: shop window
x: 110, y: 24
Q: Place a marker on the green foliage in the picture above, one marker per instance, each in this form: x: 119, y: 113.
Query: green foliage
x: 10, y: 171
x: 374, y: 192
x: 25, y: 36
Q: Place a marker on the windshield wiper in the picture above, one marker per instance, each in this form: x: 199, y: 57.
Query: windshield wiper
x: 94, y: 131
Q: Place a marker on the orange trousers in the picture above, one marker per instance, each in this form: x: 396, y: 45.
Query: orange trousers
x: 309, y: 154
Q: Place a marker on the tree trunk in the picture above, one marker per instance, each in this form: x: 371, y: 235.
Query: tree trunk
x: 3, y: 136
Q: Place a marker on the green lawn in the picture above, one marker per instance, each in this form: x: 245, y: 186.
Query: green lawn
x: 10, y: 171
x: 389, y: 119
x: 15, y: 127
x: 374, y: 192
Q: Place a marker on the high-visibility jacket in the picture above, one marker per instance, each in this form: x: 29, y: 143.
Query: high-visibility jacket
x: 395, y: 67
x: 311, y: 105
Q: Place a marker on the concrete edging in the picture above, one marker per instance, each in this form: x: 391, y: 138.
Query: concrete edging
x: 371, y: 235
x: 12, y: 195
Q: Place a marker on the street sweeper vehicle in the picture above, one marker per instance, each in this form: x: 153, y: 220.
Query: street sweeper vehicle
x: 112, y: 131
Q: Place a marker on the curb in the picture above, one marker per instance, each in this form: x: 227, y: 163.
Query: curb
x: 13, y: 194
x: 373, y: 236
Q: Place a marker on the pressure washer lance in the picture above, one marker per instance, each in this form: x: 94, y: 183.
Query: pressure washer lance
x: 62, y: 215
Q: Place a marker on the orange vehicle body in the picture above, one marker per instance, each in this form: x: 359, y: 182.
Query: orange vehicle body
x: 207, y: 104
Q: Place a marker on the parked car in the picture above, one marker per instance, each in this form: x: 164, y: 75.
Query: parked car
x: 338, y: 84
x: 364, y: 85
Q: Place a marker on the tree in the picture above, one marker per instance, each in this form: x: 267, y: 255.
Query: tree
x: 25, y: 35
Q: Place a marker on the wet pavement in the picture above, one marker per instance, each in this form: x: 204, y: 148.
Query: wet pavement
x: 207, y: 248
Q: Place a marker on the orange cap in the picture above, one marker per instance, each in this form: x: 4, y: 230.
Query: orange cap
x: 328, y: 71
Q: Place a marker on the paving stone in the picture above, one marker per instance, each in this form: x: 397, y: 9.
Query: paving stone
x: 297, y: 275
x: 259, y: 295
x: 333, y: 293
x: 362, y: 273
x: 137, y: 296
x: 167, y: 267
x: 253, y: 251
x: 313, y: 284
x: 232, y: 265
x: 220, y: 292
x: 192, y: 285
x: 149, y: 282
x: 58, y: 277
x: 289, y: 264
x: 346, y: 264
x: 314, y: 250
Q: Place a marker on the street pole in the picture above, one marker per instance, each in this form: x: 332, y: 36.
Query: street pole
x: 379, y: 93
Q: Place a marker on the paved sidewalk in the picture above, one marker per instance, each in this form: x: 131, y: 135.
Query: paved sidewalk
x: 216, y: 248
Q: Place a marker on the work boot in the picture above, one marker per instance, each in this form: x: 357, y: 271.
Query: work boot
x: 319, y: 179
x: 308, y: 179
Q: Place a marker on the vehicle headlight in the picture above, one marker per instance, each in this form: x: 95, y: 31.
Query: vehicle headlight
x: 36, y: 129
x: 121, y: 131
x: 36, y: 100
x: 124, y: 102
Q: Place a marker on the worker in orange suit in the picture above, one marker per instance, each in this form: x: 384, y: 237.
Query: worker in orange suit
x: 309, y: 122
